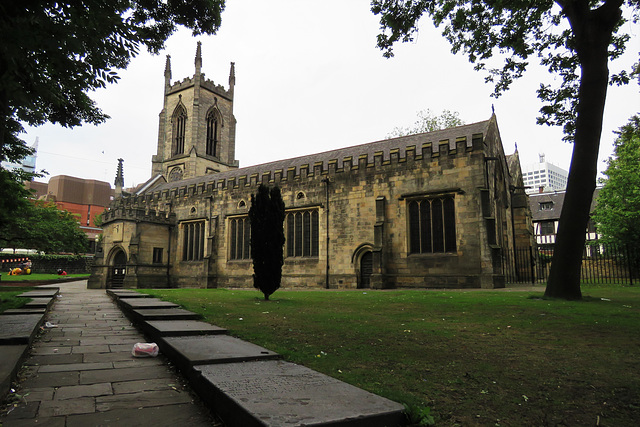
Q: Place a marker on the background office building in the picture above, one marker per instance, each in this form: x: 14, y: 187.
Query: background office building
x: 544, y: 176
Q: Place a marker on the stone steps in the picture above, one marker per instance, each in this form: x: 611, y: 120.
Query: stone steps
x: 18, y: 327
x: 248, y: 385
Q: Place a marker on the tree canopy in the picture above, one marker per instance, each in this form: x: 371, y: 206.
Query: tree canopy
x: 575, y: 40
x: 42, y: 226
x: 617, y: 214
x: 53, y: 54
x: 429, y: 122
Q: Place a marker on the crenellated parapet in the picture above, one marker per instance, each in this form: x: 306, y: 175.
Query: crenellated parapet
x: 436, y: 148
x: 189, y: 82
x: 134, y: 209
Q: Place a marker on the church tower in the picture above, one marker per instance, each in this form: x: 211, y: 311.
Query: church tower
x: 197, y: 130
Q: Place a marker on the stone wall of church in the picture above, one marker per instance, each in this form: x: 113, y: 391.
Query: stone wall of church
x: 364, y: 200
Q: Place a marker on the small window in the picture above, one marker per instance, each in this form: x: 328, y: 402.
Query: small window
x: 157, y: 255
x: 547, y: 228
x: 546, y: 206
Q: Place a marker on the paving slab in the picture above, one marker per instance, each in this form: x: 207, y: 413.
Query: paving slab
x: 173, y: 328
x: 124, y: 374
x: 19, y: 328
x: 142, y: 399
x: 186, y: 352
x: 11, y: 357
x: 279, y: 393
x: 185, y: 414
x: 145, y: 303
x: 164, y: 314
x: 52, y: 408
x: 40, y: 293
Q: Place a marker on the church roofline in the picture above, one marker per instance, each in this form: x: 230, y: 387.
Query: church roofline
x: 371, y: 149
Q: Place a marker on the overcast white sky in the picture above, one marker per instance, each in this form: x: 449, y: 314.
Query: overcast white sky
x: 309, y: 78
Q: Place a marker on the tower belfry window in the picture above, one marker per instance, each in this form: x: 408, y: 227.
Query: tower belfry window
x: 179, y: 126
x: 214, y: 125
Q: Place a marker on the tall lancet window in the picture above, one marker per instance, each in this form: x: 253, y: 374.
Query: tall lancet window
x: 179, y: 126
x: 214, y: 124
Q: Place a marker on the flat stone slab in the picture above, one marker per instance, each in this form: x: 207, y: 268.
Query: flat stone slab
x: 44, y: 302
x: 211, y: 349
x: 11, y: 357
x: 40, y: 293
x: 147, y: 314
x: 278, y: 393
x: 123, y: 293
x: 25, y: 311
x: 173, y: 328
x: 19, y: 328
x: 145, y: 303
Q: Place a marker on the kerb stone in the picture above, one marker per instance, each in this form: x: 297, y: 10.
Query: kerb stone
x: 40, y: 293
x: 145, y: 303
x: 19, y: 328
x: 278, y: 393
x: 173, y: 328
x: 211, y: 349
x: 146, y: 314
x: 11, y: 357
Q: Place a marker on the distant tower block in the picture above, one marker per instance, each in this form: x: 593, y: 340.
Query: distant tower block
x: 197, y: 128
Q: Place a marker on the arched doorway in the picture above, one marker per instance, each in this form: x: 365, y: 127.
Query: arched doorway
x: 366, y: 269
x: 118, y: 269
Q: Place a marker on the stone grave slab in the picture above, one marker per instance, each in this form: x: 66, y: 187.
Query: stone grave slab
x: 24, y: 311
x: 147, y: 314
x: 40, y: 293
x: 211, y: 349
x: 176, y: 328
x: 11, y: 357
x: 145, y: 303
x: 39, y: 303
x: 124, y: 293
x: 279, y: 393
x: 19, y: 328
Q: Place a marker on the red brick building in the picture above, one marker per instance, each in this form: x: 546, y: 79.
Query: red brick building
x: 84, y: 198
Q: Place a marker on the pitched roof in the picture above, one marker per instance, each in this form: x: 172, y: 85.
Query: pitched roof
x: 384, y: 146
x: 557, y: 198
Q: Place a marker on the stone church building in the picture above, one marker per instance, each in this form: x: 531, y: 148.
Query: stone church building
x: 433, y: 210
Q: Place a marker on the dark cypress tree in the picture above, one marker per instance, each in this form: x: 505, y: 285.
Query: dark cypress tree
x: 267, y: 239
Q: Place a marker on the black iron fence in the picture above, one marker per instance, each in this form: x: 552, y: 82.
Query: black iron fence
x: 601, y: 263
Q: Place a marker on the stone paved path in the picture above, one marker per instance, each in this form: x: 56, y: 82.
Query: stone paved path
x: 81, y: 373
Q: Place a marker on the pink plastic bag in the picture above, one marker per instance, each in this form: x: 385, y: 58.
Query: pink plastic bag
x: 142, y: 349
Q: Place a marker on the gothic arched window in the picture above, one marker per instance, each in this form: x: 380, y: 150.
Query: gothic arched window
x: 432, y: 225
x: 214, y: 125
x: 179, y: 126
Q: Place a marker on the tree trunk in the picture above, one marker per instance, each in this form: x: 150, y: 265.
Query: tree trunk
x: 593, y: 34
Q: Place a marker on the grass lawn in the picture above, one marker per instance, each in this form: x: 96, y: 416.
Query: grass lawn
x: 8, y: 298
x: 474, y: 357
x: 36, y: 277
